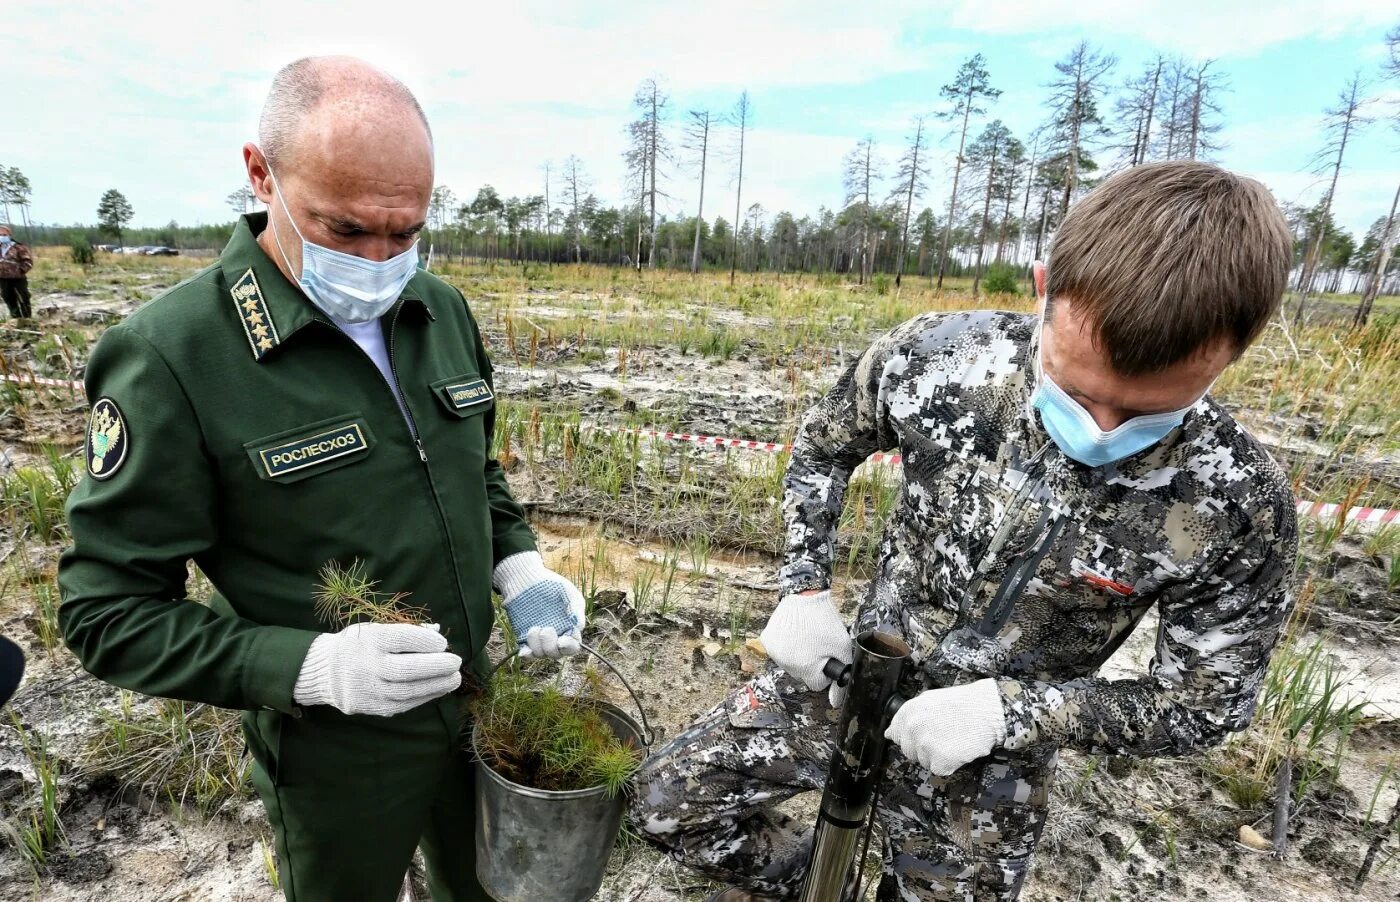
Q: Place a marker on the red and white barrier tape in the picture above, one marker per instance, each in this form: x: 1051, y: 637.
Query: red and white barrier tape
x: 745, y: 444
x: 1373, y: 515
x: 1316, y: 509
x: 24, y: 379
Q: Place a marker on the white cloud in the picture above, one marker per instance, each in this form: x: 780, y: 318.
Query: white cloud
x: 1204, y: 28
x: 157, y: 98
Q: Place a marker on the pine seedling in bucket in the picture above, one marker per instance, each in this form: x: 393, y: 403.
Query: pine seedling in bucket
x: 553, y: 769
x: 545, y: 739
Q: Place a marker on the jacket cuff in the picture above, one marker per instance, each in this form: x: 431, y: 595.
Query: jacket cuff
x: 519, y: 572
x: 271, y: 667
x: 1022, y: 731
x: 508, y: 545
x: 801, y: 576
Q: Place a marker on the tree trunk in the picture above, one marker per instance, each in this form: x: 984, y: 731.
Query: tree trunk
x: 738, y: 195
x: 1044, y: 221
x: 1196, y: 112
x: 1026, y: 206
x: 909, y: 203
x: 986, y: 211
x: 953, y: 199
x: 700, y: 209
x: 1376, y: 842
x: 1373, y: 284
x: 651, y: 154
x: 1283, y: 799
x: 1151, y: 107
x: 1310, y: 269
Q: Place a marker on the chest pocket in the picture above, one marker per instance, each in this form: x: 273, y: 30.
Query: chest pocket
x: 310, y: 450
x: 1089, y: 570
x: 463, y: 396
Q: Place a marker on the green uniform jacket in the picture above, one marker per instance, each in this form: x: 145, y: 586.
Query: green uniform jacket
x: 233, y: 424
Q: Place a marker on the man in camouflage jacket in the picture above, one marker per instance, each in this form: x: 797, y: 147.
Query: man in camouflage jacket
x: 15, y: 263
x: 1011, y: 568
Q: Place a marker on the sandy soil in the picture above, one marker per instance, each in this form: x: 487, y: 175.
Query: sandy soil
x: 1129, y: 830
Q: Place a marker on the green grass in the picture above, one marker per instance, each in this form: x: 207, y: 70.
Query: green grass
x: 33, y: 825
x: 173, y: 751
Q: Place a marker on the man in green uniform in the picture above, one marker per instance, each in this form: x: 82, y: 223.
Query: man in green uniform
x: 314, y: 397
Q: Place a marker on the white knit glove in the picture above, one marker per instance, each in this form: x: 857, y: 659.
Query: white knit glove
x: 943, y: 729
x: 546, y: 611
x: 377, y: 668
x: 804, y: 633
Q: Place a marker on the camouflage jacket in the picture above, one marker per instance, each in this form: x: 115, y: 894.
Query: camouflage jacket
x: 1005, y: 558
x: 15, y: 262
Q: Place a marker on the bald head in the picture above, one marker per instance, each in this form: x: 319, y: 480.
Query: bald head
x: 313, y: 90
x: 344, y: 160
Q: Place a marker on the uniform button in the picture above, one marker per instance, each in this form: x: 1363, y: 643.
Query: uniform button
x: 296, y: 711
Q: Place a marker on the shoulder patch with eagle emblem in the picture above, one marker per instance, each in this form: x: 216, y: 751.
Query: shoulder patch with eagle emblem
x: 107, y: 439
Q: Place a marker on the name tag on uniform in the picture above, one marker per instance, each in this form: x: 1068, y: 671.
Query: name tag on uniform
x: 312, y: 450
x: 462, y: 395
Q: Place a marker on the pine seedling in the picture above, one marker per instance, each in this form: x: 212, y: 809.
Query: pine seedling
x: 346, y: 595
x: 540, y: 737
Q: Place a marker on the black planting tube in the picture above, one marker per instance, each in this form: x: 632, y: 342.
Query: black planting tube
x: 872, y: 683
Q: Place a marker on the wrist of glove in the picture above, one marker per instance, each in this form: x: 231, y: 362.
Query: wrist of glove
x: 546, y: 611
x: 377, y: 668
x: 945, y: 729
x: 804, y: 633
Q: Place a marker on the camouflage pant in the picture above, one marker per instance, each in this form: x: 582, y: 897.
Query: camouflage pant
x: 707, y: 797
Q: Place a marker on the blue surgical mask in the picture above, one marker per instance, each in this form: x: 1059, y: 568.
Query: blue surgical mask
x: 348, y: 288
x: 1076, y: 433
x: 6, y: 239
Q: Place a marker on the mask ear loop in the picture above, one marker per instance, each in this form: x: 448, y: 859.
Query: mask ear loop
x: 277, y: 189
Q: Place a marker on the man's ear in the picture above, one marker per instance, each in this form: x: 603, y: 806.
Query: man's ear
x: 1038, y: 277
x: 259, y: 173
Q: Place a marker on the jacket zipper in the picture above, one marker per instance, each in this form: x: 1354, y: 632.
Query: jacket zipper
x: 1008, y: 521
x: 396, y: 391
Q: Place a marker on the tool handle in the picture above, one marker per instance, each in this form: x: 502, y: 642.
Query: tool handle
x: 838, y: 671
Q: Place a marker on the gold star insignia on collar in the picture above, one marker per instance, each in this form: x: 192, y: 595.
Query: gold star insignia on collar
x: 252, y: 310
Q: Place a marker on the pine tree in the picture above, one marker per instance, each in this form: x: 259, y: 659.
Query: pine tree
x: 969, y: 90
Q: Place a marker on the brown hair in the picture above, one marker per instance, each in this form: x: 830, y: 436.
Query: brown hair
x: 1165, y: 258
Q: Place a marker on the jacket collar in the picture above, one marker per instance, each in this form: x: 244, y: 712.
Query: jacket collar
x: 270, y: 308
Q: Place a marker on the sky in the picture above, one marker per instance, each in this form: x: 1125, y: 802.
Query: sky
x: 156, y: 99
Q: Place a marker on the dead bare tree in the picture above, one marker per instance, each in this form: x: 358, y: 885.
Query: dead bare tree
x: 1075, y: 100
x: 1136, y: 109
x: 1391, y: 71
x: 862, y: 171
x: 1342, y: 122
x: 970, y: 88
x: 548, y: 217
x: 647, y: 148
x: 698, y: 141
x: 1383, y: 252
x: 911, y: 182
x: 1204, y: 119
x: 575, y: 192
x: 739, y: 118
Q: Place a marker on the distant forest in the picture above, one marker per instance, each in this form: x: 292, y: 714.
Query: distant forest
x: 1008, y: 193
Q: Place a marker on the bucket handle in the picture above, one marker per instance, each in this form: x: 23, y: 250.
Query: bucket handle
x: 648, y: 737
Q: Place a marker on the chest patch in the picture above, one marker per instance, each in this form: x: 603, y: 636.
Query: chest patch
x: 107, y: 439
x: 467, y: 393
x: 322, y: 447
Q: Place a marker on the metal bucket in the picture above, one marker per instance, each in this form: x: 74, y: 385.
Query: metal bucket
x: 538, y: 845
